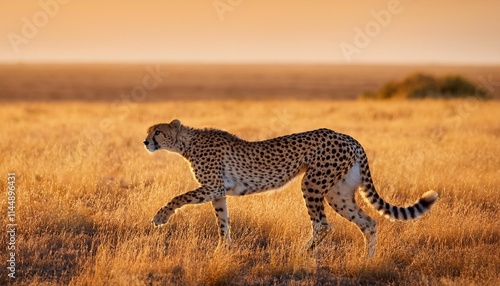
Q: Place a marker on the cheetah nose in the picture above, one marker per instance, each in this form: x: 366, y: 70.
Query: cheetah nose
x: 146, y: 142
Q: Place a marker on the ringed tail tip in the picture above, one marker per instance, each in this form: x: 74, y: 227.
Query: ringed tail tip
x: 429, y: 198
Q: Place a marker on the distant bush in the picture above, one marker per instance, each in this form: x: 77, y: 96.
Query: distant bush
x: 426, y: 86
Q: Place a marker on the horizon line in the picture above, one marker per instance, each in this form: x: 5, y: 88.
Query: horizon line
x: 245, y: 63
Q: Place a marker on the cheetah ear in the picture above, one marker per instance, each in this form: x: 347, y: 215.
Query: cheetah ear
x: 176, y: 123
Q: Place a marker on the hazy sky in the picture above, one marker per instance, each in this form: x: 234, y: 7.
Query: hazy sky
x: 318, y: 31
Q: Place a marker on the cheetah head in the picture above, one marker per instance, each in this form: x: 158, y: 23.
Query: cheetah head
x: 163, y: 136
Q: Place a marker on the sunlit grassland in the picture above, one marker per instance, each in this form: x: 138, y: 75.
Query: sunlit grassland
x: 87, y: 190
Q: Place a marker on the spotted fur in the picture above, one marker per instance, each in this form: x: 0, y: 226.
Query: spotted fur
x: 334, y: 167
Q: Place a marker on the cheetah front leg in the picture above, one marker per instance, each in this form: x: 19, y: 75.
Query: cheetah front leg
x: 201, y: 195
x: 221, y: 213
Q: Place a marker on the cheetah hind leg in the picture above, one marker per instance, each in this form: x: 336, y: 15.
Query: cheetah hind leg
x: 341, y: 199
x: 348, y: 209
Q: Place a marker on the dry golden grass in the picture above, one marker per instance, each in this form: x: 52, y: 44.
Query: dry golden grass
x: 87, y: 190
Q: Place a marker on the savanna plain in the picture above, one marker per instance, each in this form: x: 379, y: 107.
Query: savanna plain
x: 87, y: 190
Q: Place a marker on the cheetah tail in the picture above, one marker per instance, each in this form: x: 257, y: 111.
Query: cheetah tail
x: 414, y: 211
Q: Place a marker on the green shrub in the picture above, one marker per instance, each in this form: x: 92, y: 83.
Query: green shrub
x: 420, y: 85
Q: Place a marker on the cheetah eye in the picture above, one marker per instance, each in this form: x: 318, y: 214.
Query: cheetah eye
x: 157, y: 133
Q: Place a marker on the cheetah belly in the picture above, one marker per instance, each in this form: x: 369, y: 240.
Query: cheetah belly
x: 256, y: 181
x: 239, y: 185
x: 233, y: 187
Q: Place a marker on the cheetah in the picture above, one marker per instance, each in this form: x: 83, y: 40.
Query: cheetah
x: 335, y: 166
